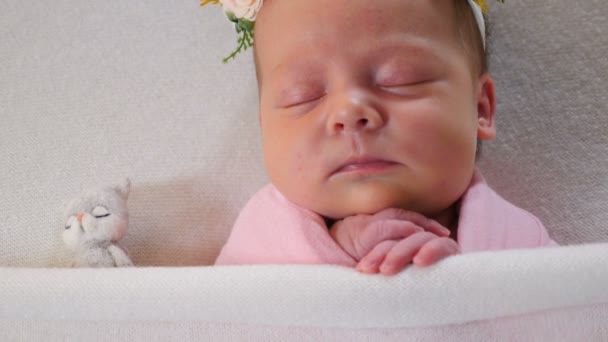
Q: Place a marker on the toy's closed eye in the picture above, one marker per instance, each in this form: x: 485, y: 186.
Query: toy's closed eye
x: 100, y: 212
x: 70, y: 222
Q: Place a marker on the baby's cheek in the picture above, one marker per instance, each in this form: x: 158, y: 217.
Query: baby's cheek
x: 442, y: 141
x: 298, y: 167
x: 422, y: 140
x: 298, y: 164
x: 290, y: 169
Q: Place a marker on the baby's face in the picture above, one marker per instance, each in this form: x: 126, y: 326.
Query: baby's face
x: 366, y: 105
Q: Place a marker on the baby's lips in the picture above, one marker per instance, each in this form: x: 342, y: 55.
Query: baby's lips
x: 362, y: 161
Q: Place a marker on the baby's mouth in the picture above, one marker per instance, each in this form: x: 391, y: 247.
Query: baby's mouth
x: 366, y: 165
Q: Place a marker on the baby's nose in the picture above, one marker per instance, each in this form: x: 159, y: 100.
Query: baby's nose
x: 351, y: 115
x: 79, y: 217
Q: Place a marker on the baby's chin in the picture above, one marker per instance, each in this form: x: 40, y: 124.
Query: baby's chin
x: 368, y: 200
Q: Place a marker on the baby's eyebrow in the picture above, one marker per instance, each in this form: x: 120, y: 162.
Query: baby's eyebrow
x: 411, y: 51
x: 289, y: 68
x: 287, y: 75
x: 406, y: 43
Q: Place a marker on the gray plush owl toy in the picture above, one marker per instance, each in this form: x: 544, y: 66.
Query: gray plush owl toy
x: 93, y: 225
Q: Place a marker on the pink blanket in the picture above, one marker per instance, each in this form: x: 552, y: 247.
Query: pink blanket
x: 273, y: 230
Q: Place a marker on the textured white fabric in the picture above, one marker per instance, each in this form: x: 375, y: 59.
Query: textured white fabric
x: 588, y: 322
x: 95, y: 91
x: 459, y: 290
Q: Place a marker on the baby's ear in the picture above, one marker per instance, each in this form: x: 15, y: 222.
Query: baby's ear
x: 124, y: 188
x: 486, y: 107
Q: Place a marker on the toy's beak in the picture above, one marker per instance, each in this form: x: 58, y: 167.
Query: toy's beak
x: 79, y: 217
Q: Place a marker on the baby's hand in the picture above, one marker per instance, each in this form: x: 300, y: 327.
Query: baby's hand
x: 391, y: 239
x: 422, y: 249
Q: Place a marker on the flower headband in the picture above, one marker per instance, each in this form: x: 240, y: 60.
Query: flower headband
x: 244, y: 12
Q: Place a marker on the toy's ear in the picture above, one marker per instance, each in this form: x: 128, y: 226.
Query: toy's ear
x: 124, y: 188
x: 65, y: 205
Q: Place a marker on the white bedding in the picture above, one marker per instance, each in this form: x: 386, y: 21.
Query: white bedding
x: 534, y: 291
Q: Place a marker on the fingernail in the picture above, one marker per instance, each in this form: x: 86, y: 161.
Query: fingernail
x: 367, y: 267
x: 384, y: 269
x: 418, y: 262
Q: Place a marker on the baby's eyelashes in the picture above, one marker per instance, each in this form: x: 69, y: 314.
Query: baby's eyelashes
x: 413, y: 87
x: 410, y: 90
x: 296, y: 97
x: 394, y: 80
x: 404, y: 80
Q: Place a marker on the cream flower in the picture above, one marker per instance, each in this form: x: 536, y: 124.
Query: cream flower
x: 245, y: 9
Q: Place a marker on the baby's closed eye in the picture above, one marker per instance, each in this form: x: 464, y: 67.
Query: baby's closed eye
x: 401, y: 81
x: 406, y: 77
x: 298, y: 95
x: 395, y: 78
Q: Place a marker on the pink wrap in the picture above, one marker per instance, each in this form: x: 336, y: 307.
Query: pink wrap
x: 273, y: 230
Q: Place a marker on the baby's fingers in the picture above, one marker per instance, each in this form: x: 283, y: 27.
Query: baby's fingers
x: 416, y: 218
x: 436, y: 250
x: 403, y: 252
x: 371, y: 262
x: 383, y: 230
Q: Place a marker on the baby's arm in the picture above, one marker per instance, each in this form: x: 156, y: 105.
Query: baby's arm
x: 389, y: 241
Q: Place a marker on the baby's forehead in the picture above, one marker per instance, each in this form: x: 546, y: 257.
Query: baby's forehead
x: 289, y: 33
x: 399, y: 53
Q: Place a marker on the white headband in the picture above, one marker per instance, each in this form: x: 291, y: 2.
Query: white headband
x: 480, y: 22
x: 244, y: 12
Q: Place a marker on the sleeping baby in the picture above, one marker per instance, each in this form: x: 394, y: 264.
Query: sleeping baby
x: 372, y: 114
